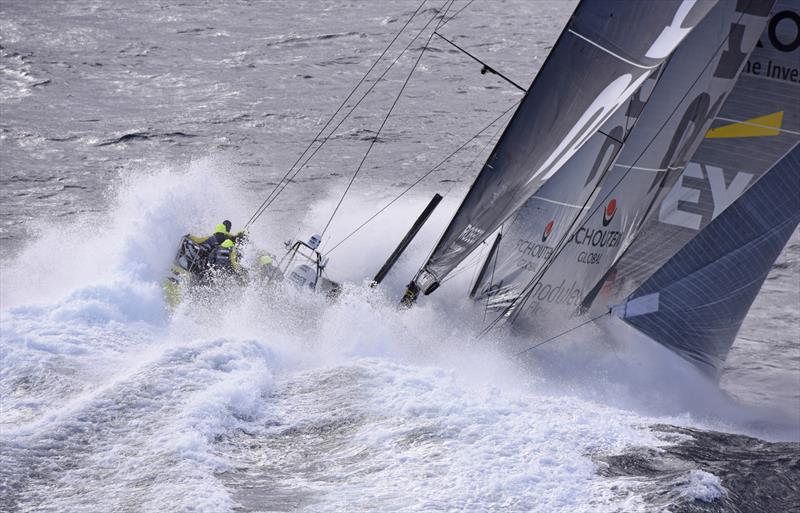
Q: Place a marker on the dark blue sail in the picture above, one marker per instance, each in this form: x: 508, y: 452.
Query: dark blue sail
x: 697, y: 301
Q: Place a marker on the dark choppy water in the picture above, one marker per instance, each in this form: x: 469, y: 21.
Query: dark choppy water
x: 125, y: 125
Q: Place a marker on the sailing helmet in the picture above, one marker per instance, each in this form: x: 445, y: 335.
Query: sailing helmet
x: 314, y: 241
x: 265, y: 260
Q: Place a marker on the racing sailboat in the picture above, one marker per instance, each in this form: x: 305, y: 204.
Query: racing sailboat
x: 621, y: 209
x: 302, y: 266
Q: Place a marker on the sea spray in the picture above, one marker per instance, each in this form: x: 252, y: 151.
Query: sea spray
x: 355, y: 402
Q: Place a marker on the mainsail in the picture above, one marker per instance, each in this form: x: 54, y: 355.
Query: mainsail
x: 604, y: 55
x: 691, y: 88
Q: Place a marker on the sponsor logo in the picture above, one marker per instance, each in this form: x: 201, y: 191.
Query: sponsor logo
x: 700, y: 194
x: 547, y: 230
x: 783, y: 35
x: 558, y: 295
x: 789, y: 41
x: 471, y: 234
x: 762, y: 126
x: 545, y: 293
x: 534, y: 249
x: 589, y: 258
x: 672, y: 34
x: 604, y: 105
x: 608, y: 213
x: 598, y: 239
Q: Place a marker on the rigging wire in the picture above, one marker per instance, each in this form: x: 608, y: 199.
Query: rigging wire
x: 333, y: 116
x: 466, y: 265
x: 528, y: 289
x: 474, y: 278
x: 386, y: 118
x: 423, y: 177
x: 285, y: 182
x: 456, y: 14
x: 352, y: 109
x: 496, y: 257
x: 486, y: 67
x: 325, y: 140
x: 554, y: 337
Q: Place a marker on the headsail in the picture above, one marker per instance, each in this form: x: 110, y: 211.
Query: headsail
x: 758, y: 124
x: 606, y: 52
x: 714, y: 226
x: 561, y: 202
x: 685, y: 100
x: 696, y: 303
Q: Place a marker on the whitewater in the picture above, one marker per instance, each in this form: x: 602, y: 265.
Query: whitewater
x: 253, y: 399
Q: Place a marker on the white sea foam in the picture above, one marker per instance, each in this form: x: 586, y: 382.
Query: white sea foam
x: 16, y: 80
x: 703, y: 486
x: 141, y: 407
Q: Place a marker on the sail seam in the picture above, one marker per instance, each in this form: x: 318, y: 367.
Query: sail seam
x: 618, y: 56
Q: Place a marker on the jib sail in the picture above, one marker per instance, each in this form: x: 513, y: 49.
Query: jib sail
x: 757, y: 125
x: 558, y: 205
x: 604, y: 55
x: 697, y: 301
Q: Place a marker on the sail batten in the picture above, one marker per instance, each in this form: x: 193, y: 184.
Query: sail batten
x: 623, y: 59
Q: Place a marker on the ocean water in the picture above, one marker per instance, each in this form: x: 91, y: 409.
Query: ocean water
x: 126, y: 125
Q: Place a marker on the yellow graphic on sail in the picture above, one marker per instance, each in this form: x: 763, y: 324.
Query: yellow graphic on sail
x: 757, y: 127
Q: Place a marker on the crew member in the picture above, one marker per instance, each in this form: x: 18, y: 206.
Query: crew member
x: 225, y: 258
x: 220, y: 251
x: 268, y: 270
x: 222, y: 232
